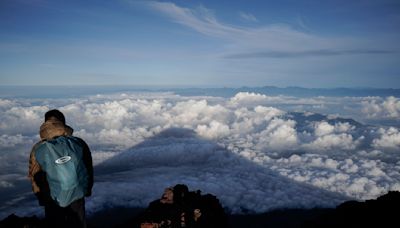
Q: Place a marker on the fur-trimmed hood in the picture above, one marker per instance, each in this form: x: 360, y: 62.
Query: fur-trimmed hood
x: 53, y: 128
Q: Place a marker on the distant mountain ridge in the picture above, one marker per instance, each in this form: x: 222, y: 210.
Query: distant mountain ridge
x: 78, y: 90
x: 292, y: 91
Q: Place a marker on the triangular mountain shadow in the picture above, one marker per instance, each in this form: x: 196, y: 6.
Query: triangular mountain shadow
x: 126, y: 183
x: 177, y: 155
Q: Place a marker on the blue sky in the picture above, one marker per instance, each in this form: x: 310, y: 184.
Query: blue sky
x: 201, y: 43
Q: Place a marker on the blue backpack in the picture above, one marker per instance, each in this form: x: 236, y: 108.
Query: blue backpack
x: 62, y: 160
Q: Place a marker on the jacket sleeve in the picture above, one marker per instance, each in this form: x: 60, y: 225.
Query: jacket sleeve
x: 38, y: 178
x: 34, y: 168
x: 87, y: 160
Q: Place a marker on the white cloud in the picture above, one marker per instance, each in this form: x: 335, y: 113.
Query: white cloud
x: 272, y: 37
x: 246, y: 98
x: 344, y: 127
x: 389, y: 139
x: 378, y: 108
x: 248, y: 17
x: 277, y: 40
x: 358, y: 178
x: 348, y: 166
x: 371, y: 108
x: 189, y: 113
x: 30, y: 118
x: 323, y: 128
x: 278, y: 135
x: 225, y: 146
x: 332, y: 137
x: 214, y: 130
x: 392, y: 106
x: 10, y: 141
x: 5, y: 104
x: 333, y: 141
x: 201, y: 20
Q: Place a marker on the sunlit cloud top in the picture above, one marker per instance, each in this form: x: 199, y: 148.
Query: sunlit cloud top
x: 249, y: 144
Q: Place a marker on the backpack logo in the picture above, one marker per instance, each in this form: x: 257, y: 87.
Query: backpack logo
x: 63, y: 160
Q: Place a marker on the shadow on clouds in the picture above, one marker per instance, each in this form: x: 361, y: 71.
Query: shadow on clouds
x: 138, y: 175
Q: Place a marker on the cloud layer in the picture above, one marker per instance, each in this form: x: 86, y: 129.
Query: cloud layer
x: 251, y: 150
x: 382, y: 108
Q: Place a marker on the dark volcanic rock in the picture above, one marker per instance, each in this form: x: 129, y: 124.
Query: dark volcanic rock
x: 382, y: 212
x: 24, y: 222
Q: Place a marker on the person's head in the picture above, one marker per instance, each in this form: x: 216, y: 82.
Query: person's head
x: 55, y: 114
x: 168, y: 196
x: 180, y: 191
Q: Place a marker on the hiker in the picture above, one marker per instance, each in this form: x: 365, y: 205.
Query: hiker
x: 179, y: 207
x: 61, y: 172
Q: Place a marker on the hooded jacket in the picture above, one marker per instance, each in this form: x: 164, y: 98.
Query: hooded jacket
x: 48, y: 130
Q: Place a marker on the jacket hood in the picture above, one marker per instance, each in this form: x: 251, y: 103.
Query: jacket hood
x: 53, y: 128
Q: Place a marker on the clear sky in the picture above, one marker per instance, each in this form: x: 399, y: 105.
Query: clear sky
x: 310, y: 43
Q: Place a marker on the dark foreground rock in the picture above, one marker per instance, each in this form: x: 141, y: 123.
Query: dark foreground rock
x: 24, y: 222
x: 382, y: 212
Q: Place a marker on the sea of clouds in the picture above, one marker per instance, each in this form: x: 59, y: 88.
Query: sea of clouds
x: 255, y: 152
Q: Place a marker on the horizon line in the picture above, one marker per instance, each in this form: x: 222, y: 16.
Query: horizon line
x: 146, y: 86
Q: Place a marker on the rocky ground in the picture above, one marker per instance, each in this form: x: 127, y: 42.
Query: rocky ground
x: 382, y: 212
